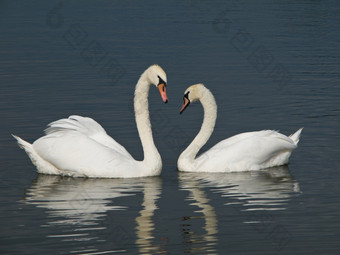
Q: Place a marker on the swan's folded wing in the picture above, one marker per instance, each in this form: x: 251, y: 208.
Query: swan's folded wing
x: 270, y: 135
x: 88, y: 127
x: 251, y: 147
x: 226, y: 143
x: 78, y: 155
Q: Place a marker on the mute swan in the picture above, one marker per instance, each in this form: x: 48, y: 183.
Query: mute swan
x: 79, y: 146
x: 242, y: 152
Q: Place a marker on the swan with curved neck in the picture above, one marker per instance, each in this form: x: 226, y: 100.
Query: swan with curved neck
x: 79, y: 146
x: 242, y: 152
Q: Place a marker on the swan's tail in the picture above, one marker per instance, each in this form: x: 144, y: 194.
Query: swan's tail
x: 296, y: 136
x: 42, y: 165
x: 23, y: 144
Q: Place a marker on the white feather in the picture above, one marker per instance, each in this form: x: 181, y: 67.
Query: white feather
x: 79, y: 146
x: 242, y: 152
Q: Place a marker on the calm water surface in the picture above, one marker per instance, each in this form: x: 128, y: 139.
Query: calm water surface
x: 270, y: 66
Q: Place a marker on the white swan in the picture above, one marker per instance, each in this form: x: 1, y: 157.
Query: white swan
x: 79, y: 146
x: 242, y: 152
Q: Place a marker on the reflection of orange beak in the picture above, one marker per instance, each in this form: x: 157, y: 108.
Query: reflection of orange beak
x: 162, y: 91
x: 186, y: 103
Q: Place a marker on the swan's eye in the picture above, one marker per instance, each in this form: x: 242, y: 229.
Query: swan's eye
x: 161, y: 81
x: 186, y: 95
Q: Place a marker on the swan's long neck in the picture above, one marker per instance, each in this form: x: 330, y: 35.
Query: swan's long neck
x: 210, y: 113
x: 152, y: 159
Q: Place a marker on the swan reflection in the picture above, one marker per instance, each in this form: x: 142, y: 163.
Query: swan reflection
x: 207, y: 241
x: 79, y: 207
x: 248, y: 193
x: 145, y: 224
x: 268, y: 189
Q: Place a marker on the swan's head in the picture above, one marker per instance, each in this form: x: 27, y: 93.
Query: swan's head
x: 157, y: 76
x: 192, y: 94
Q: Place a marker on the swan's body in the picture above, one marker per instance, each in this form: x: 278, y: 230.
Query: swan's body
x: 242, y: 152
x: 79, y: 146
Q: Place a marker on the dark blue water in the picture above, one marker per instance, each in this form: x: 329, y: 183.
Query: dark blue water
x: 269, y: 65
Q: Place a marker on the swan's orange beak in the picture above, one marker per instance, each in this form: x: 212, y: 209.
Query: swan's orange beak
x: 186, y: 103
x: 162, y: 91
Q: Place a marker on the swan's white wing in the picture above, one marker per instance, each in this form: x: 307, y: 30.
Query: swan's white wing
x: 75, y: 154
x: 79, y: 146
x: 89, y: 128
x: 270, y: 134
x: 251, y: 150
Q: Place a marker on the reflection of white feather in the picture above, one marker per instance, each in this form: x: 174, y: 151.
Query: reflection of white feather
x: 268, y: 189
x: 85, y: 202
x: 78, y: 201
x: 82, y: 200
x: 145, y: 224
